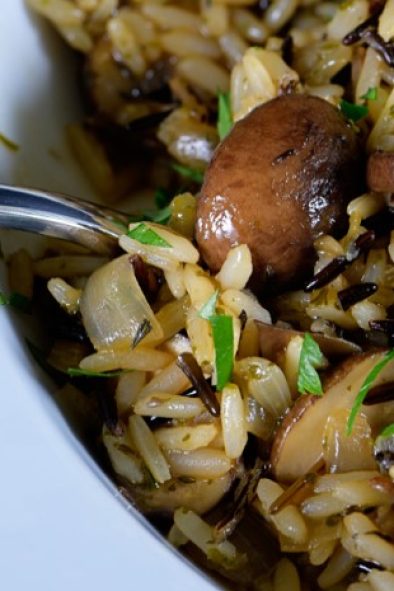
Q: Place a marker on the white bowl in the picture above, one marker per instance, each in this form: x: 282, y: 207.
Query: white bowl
x: 63, y: 526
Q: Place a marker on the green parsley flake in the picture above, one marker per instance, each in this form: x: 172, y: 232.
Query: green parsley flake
x: 371, y: 94
x: 311, y: 357
x: 76, y: 372
x: 209, y: 308
x: 352, y: 111
x: 225, y: 120
x: 369, y: 380
x: 189, y: 173
x: 12, y: 146
x: 388, y: 431
x: 223, y: 338
x: 146, y: 235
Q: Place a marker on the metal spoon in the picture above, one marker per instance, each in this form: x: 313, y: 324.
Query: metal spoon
x: 60, y: 216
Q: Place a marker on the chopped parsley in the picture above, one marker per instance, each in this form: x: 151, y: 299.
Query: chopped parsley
x: 12, y: 146
x: 352, y: 111
x: 388, y: 431
x: 225, y: 120
x: 371, y: 94
x: 17, y: 301
x: 308, y: 381
x: 369, y: 380
x: 223, y: 339
x: 197, y: 176
x: 146, y: 235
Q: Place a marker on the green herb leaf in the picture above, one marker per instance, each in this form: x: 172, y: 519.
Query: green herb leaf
x: 76, y: 372
x: 225, y: 120
x: 209, y: 308
x: 189, y: 173
x: 12, y: 146
x: 311, y: 357
x: 352, y: 111
x: 146, y: 235
x: 3, y: 299
x: 369, y: 380
x: 223, y: 338
x: 388, y: 431
x: 371, y: 94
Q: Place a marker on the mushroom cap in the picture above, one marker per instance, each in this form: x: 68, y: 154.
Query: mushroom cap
x: 281, y: 178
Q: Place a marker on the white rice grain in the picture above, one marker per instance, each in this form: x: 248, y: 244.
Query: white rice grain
x: 148, y: 448
x: 233, y: 420
x: 236, y: 269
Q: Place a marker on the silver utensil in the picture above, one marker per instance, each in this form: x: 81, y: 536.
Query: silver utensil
x: 60, y: 216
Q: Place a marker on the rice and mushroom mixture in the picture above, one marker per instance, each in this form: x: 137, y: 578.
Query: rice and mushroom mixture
x: 257, y: 424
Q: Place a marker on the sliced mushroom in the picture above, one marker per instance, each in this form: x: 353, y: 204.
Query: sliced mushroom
x: 380, y: 172
x: 274, y: 340
x: 299, y: 441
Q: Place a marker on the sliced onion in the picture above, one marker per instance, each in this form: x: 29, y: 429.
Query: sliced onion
x: 343, y: 453
x: 113, y: 307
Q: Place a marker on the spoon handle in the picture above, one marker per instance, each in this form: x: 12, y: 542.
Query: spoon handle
x: 60, y: 216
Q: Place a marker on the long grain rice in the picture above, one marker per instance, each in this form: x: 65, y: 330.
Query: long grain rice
x: 200, y: 463
x: 148, y: 448
x: 233, y: 421
x: 169, y: 406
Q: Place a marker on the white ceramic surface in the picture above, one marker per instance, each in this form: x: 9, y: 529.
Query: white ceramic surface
x: 62, y: 526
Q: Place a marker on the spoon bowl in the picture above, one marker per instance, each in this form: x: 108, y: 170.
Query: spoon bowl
x: 60, y: 216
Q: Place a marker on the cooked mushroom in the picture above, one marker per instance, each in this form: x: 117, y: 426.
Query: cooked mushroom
x: 281, y: 178
x: 274, y: 340
x: 299, y: 442
x: 380, y: 172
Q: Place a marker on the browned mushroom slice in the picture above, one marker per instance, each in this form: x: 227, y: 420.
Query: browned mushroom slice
x: 299, y: 442
x: 274, y: 340
x: 380, y: 172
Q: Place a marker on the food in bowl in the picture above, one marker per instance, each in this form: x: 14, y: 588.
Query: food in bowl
x: 236, y: 356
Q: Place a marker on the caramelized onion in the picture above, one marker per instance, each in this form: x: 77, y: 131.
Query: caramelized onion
x: 114, y: 308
